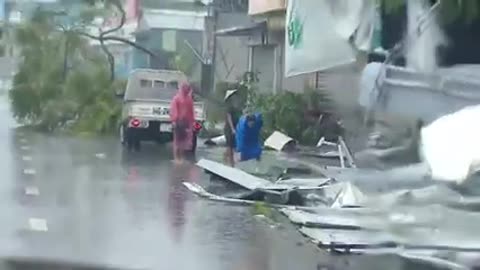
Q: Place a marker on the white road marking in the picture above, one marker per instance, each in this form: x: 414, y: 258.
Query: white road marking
x: 27, y: 158
x: 23, y: 140
x: 38, y: 224
x: 33, y: 191
x: 25, y: 147
x: 29, y: 171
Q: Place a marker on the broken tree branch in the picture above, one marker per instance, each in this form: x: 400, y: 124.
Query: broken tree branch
x: 122, y: 40
x: 106, y: 35
x: 123, y: 19
x: 110, y: 57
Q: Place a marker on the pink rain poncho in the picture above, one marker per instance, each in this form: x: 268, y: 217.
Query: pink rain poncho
x: 183, y: 117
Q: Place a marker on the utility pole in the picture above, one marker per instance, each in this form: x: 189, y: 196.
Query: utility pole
x: 214, y: 47
x: 208, y: 67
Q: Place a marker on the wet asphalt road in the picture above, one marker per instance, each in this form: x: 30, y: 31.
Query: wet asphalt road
x: 85, y: 201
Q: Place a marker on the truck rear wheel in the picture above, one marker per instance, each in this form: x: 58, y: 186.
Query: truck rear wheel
x: 129, y: 141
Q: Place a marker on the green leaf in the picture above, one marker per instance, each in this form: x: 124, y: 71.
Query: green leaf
x: 41, y: 95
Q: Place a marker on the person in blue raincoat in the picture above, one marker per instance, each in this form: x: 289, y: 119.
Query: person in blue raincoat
x: 248, y: 136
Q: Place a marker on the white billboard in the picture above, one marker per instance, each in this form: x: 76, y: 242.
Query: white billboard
x: 317, y: 33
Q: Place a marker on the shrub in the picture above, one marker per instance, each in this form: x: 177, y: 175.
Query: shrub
x: 294, y: 114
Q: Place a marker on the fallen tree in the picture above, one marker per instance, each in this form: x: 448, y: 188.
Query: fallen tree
x: 62, y: 81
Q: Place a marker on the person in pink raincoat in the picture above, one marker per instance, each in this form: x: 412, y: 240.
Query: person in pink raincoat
x: 183, y: 118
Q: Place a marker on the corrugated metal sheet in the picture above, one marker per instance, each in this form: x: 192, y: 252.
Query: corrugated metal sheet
x: 234, y: 175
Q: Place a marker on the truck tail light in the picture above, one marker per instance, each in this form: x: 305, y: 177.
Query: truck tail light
x: 197, y: 126
x: 134, y: 122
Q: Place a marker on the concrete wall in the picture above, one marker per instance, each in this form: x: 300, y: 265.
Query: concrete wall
x: 263, y: 6
x: 342, y: 83
x: 231, y: 60
x: 123, y: 59
x: 153, y: 40
x: 295, y: 84
x: 233, y: 56
x: 343, y: 86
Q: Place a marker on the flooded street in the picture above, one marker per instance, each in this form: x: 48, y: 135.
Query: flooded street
x: 351, y: 125
x: 85, y: 201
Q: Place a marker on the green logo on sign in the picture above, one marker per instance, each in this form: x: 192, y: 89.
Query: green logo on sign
x: 294, y: 30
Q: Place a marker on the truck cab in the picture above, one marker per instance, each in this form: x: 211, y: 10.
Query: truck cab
x: 146, y: 108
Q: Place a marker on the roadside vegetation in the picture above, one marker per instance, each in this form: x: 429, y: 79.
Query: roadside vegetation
x: 293, y: 113
x: 63, y: 82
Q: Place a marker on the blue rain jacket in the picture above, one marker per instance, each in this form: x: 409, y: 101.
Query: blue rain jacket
x: 248, y: 138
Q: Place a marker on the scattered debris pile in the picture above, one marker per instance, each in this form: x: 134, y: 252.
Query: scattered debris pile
x: 350, y: 210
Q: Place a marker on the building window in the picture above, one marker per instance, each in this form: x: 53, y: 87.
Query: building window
x: 159, y: 84
x: 173, y: 84
x: 145, y: 83
x: 169, y: 40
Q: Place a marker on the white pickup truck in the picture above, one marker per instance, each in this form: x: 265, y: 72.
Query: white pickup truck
x: 146, y: 108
